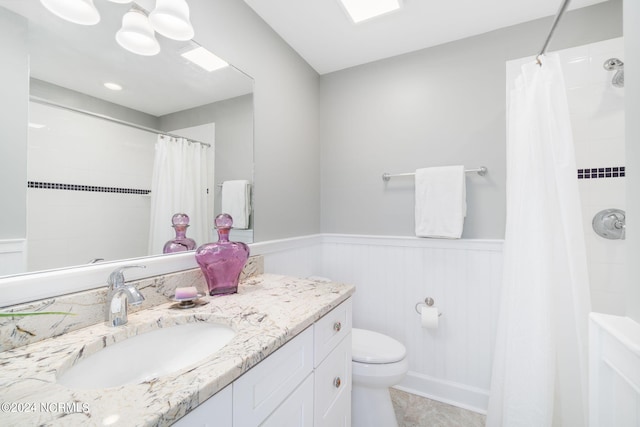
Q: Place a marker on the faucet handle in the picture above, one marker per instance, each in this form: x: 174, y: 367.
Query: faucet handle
x: 116, y: 278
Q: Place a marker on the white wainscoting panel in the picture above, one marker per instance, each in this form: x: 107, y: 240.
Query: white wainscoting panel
x: 297, y: 256
x: 452, y: 363
x: 392, y: 274
x: 13, y: 256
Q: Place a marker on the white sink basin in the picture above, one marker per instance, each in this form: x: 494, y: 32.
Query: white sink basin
x: 147, y: 356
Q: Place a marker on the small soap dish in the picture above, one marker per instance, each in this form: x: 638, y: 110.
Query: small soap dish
x: 189, y: 302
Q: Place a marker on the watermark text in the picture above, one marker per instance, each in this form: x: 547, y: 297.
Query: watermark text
x: 51, y: 407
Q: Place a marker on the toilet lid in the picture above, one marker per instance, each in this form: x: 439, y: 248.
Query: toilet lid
x: 373, y: 347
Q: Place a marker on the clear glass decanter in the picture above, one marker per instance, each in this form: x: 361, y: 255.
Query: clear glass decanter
x: 222, y: 261
x: 181, y: 242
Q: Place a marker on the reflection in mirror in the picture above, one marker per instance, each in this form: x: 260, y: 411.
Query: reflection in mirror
x: 93, y: 152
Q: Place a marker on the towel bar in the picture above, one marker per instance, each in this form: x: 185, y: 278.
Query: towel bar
x: 482, y: 171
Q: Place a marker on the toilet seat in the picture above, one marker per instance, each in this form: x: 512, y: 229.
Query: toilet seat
x: 375, y: 348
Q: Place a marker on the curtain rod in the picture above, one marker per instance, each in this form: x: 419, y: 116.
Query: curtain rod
x: 111, y: 119
x: 561, y: 10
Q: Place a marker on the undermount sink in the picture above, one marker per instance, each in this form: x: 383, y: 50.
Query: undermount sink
x: 148, y: 356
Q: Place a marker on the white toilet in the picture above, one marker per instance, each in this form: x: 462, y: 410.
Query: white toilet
x: 378, y: 362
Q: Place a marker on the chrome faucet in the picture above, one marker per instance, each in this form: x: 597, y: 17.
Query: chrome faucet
x: 120, y: 295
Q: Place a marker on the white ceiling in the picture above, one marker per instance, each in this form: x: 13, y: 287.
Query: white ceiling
x: 321, y: 32
x: 82, y: 58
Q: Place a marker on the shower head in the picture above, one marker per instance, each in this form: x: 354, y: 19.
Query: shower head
x: 612, y: 64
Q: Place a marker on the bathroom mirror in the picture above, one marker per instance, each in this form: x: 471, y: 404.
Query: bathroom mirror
x: 69, y: 64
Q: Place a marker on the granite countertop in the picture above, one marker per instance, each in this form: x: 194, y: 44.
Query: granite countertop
x: 267, y: 311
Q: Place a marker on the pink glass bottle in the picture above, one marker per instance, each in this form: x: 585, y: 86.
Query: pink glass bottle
x: 181, y: 242
x: 222, y: 261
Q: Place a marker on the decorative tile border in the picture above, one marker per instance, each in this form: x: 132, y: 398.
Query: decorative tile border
x: 75, y: 187
x: 605, y: 172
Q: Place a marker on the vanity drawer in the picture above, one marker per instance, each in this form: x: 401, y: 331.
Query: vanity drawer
x: 215, y: 411
x: 332, y: 388
x: 297, y: 410
x: 258, y: 392
x: 330, y: 330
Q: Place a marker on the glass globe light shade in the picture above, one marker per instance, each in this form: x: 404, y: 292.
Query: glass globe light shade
x: 81, y: 12
x: 171, y: 19
x: 136, y: 34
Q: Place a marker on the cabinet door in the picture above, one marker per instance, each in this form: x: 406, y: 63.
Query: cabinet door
x: 330, y: 330
x: 216, y: 411
x: 297, y: 410
x: 332, y: 387
x: 258, y: 392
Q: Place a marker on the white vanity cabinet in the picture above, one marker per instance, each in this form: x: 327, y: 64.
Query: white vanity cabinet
x: 305, y: 383
x: 262, y: 389
x: 332, y: 368
x: 213, y: 412
x: 296, y: 410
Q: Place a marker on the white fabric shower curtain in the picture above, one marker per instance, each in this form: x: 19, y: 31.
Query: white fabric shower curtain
x: 539, y: 375
x: 179, y: 184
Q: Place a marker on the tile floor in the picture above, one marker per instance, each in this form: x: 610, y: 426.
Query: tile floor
x: 417, y: 411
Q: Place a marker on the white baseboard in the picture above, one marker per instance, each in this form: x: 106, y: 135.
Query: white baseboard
x: 456, y: 394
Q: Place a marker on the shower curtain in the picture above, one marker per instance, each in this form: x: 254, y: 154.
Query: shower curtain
x: 539, y: 375
x: 179, y: 184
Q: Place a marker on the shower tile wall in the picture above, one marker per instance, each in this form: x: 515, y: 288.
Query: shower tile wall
x: 102, y: 166
x: 597, y: 119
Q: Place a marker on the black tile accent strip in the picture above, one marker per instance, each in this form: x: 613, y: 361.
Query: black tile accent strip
x: 605, y: 172
x: 93, y: 188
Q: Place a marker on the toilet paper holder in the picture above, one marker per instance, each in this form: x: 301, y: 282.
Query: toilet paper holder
x: 428, y: 301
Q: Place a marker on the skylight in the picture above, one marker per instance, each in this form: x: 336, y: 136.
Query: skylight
x: 361, y: 10
x: 112, y: 86
x: 205, y: 59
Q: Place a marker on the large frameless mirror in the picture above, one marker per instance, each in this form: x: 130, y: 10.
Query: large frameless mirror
x: 92, y: 151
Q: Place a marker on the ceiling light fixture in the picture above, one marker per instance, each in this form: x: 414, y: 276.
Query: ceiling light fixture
x: 205, y: 59
x: 81, y: 12
x: 136, y: 34
x: 112, y: 86
x: 171, y: 19
x: 361, y: 10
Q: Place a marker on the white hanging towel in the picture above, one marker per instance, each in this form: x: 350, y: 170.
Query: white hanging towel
x: 440, y: 202
x: 236, y: 201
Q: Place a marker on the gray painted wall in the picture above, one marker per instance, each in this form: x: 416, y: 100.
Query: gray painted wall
x: 14, y: 104
x: 286, y: 99
x: 632, y: 112
x: 438, y: 106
